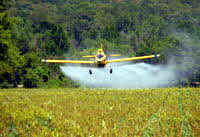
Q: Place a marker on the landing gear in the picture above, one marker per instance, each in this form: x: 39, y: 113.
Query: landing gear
x: 111, y: 71
x: 90, y: 71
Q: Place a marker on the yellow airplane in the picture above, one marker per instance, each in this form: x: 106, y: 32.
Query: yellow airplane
x: 100, y: 59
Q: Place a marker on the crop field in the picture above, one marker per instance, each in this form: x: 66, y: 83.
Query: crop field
x: 100, y: 112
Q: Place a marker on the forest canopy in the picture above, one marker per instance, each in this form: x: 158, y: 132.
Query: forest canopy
x: 36, y: 29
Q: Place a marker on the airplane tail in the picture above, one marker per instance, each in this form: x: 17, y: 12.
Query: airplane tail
x: 89, y: 56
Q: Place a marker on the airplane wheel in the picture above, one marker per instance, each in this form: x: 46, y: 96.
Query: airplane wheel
x: 111, y: 71
x: 90, y: 71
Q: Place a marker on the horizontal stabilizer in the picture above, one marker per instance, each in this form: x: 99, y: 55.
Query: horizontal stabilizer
x: 89, y: 56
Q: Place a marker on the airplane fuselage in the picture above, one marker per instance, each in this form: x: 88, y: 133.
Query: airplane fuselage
x: 100, y: 58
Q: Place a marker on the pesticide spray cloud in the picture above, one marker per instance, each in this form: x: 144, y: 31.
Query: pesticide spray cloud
x: 140, y: 75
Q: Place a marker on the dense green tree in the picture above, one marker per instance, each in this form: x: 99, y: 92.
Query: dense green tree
x: 10, y: 59
x: 4, y: 5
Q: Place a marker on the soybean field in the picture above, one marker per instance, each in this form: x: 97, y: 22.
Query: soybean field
x: 100, y: 112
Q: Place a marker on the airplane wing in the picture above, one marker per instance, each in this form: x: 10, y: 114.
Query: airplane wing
x: 133, y: 58
x: 68, y: 61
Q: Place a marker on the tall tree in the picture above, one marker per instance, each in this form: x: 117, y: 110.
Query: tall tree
x: 10, y: 59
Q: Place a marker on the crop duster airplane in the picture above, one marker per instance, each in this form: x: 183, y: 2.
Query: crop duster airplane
x: 100, y: 59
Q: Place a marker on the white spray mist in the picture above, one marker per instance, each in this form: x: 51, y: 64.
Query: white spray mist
x: 139, y: 75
